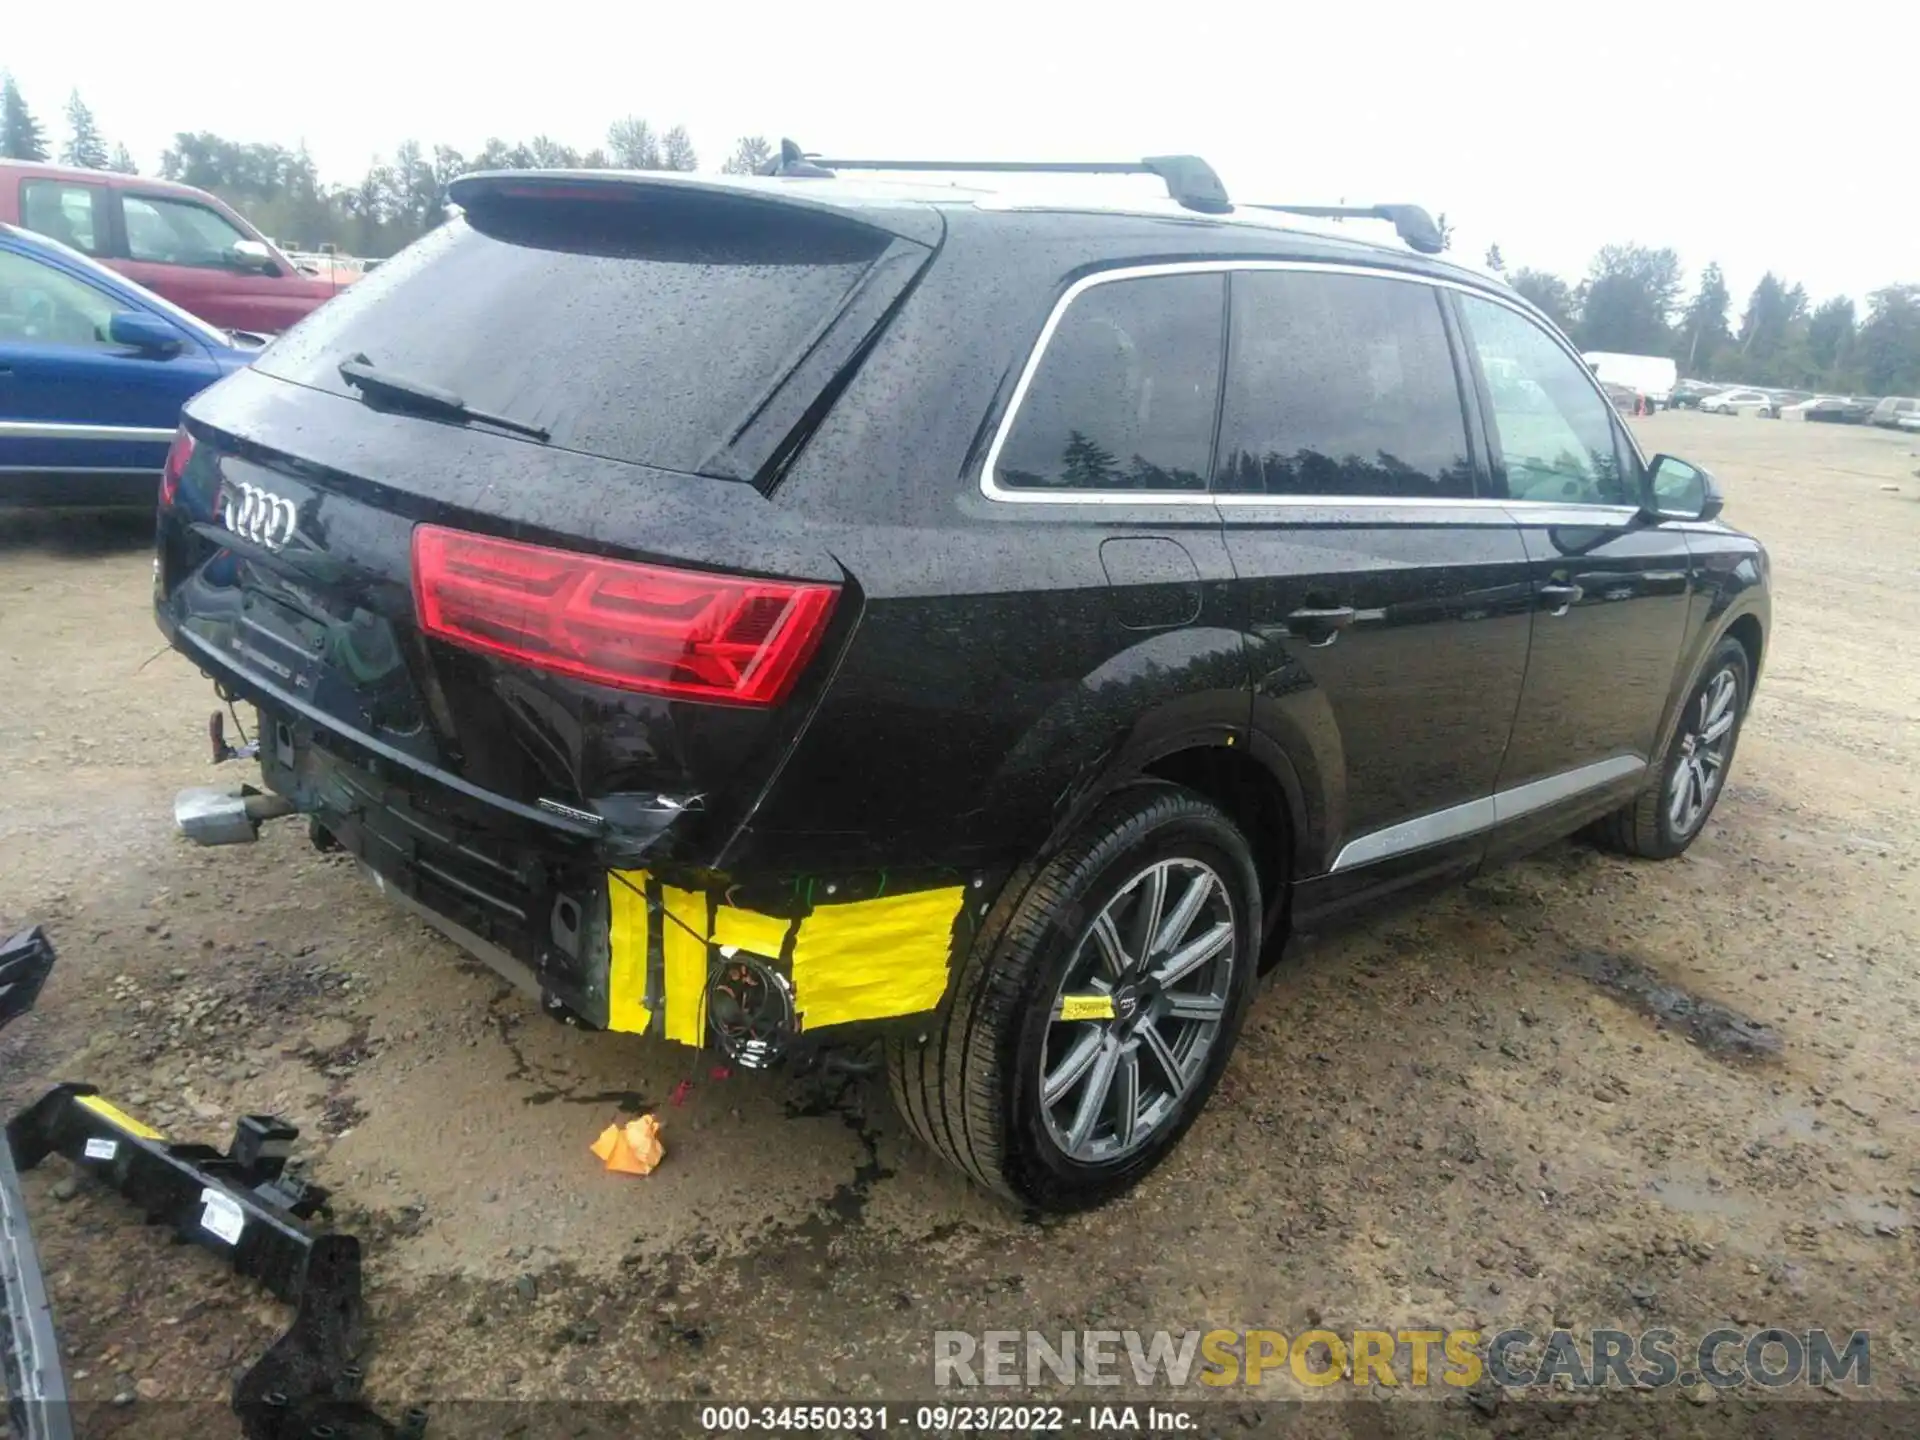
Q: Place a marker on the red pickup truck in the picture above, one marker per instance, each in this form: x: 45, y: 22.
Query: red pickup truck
x: 177, y: 241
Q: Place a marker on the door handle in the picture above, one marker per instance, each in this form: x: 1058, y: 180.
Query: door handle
x: 1561, y: 597
x: 1320, y: 625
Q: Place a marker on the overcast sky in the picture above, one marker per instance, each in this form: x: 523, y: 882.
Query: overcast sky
x: 1752, y: 134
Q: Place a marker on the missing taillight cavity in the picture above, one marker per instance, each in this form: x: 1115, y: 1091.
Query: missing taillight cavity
x: 178, y: 454
x: 685, y: 634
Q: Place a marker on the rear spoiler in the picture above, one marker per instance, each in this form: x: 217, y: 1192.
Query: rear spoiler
x: 919, y: 223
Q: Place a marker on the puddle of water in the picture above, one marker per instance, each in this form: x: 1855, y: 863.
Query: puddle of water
x: 1866, y: 1214
x: 1716, y: 1028
x: 1797, y: 1122
x: 1692, y: 1198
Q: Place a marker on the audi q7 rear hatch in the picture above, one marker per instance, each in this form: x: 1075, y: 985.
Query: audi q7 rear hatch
x: 492, y: 528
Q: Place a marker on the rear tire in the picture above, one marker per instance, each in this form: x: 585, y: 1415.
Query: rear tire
x: 1668, y: 815
x: 1062, y: 1114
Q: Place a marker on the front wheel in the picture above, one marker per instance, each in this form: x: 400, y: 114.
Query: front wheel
x: 1669, y: 814
x: 1084, y: 1035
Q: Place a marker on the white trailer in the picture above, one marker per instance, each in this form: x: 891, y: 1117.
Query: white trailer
x: 1653, y: 376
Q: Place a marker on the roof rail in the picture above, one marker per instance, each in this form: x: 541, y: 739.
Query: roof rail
x: 1413, y: 224
x: 1190, y: 180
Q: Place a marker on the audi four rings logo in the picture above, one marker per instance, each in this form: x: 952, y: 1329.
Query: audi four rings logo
x: 260, y: 515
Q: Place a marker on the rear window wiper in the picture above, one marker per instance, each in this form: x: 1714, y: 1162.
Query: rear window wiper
x: 424, y: 399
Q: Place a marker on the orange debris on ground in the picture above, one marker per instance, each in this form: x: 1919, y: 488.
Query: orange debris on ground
x: 633, y: 1148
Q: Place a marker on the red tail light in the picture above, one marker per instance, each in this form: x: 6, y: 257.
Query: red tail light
x: 178, y: 454
x: 681, y: 633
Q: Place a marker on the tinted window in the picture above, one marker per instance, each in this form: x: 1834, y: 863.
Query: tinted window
x: 1125, y: 395
x: 639, y: 331
x: 1340, y: 385
x: 178, y: 232
x: 63, y: 211
x: 1555, y: 431
x: 40, y: 305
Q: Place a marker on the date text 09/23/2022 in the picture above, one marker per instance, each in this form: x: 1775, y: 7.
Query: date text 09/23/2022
x: 944, y: 1419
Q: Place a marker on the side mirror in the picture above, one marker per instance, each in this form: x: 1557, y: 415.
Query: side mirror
x: 148, y: 334
x: 252, y: 255
x: 1679, y: 491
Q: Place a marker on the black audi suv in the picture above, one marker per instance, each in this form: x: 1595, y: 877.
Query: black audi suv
x: 816, y: 610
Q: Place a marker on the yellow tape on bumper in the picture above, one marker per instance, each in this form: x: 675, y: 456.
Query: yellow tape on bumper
x: 628, y: 944
x: 751, y: 931
x: 874, y: 959
x: 683, y: 949
x: 865, y: 960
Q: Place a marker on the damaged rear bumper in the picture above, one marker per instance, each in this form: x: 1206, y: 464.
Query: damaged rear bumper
x: 630, y: 937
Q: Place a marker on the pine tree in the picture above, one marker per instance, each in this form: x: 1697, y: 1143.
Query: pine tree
x: 20, y: 135
x: 1705, y: 322
x: 123, y: 161
x: 84, y: 145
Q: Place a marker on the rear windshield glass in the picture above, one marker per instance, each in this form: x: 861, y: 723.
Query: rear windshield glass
x: 643, y: 329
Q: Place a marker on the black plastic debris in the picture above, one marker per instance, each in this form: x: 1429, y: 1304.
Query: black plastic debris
x: 240, y: 1203
x: 26, y: 960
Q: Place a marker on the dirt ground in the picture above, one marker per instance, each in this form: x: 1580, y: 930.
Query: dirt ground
x: 1453, y: 1115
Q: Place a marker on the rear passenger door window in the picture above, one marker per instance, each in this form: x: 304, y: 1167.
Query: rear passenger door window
x: 1341, y: 385
x: 62, y: 210
x: 1125, y: 393
x: 1553, y: 427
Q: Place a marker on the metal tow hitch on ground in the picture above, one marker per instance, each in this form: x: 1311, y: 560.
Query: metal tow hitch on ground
x: 240, y: 1203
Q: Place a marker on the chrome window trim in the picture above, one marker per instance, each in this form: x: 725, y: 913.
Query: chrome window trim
x: 994, y: 490
x: 50, y: 430
x: 1473, y: 816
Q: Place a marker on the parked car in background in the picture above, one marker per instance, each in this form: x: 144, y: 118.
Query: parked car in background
x: 93, y: 372
x: 1830, y: 410
x: 1740, y: 402
x: 179, y: 242
x: 1624, y: 398
x: 1653, y: 376
x: 1889, y: 413
x: 1687, y: 394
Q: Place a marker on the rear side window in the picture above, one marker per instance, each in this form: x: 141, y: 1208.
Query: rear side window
x: 64, y: 211
x: 641, y: 329
x: 1125, y: 393
x: 1340, y: 385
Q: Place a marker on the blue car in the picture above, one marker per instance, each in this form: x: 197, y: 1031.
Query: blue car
x: 93, y: 372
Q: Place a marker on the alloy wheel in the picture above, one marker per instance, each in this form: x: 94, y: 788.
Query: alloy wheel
x: 1141, y: 1005
x: 1704, y: 746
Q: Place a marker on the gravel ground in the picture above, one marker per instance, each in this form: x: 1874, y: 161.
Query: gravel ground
x: 1490, y: 1110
